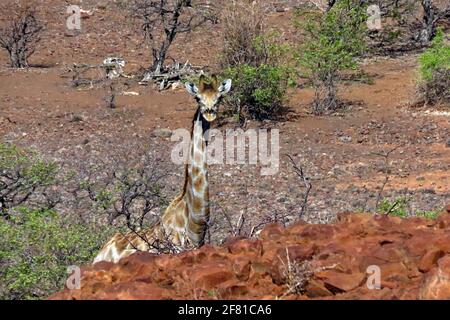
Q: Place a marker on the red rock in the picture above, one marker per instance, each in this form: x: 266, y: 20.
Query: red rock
x: 272, y: 231
x: 298, y: 252
x: 260, y: 268
x: 242, y: 268
x: 316, y: 289
x: 436, y: 284
x: 447, y: 209
x: 341, y: 282
x: 443, y: 221
x: 232, y: 290
x: 430, y: 259
x: 139, y: 291
x: 236, y: 246
x: 420, y: 242
x: 396, y: 272
x: 297, y: 227
x: 443, y: 242
x: 318, y: 232
x: 338, y: 256
x: 209, y: 276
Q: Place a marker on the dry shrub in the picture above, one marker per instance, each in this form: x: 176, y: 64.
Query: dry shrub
x: 162, y: 21
x: 437, y: 89
x: 21, y: 35
x: 296, y: 274
x: 244, y: 23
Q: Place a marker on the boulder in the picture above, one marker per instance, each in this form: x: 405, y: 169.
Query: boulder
x: 304, y: 261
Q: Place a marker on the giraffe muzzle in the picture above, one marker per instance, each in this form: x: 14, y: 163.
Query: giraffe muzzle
x: 209, y: 115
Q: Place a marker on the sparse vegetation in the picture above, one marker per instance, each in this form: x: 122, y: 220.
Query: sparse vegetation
x: 399, y: 208
x: 161, y: 23
x: 127, y: 191
x: 434, y: 72
x: 334, y: 40
x: 256, y: 62
x: 25, y: 179
x: 20, y: 37
x: 244, y: 23
x: 37, y: 246
x: 296, y: 274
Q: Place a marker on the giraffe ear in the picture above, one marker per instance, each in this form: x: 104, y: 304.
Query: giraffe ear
x: 191, y: 88
x: 215, y: 82
x: 225, y: 86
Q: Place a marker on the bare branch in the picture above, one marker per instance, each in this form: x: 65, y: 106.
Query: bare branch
x: 161, y: 22
x: 21, y: 36
x: 385, y: 156
x: 306, y: 181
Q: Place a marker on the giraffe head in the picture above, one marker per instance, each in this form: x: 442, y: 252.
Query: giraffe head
x: 208, y: 95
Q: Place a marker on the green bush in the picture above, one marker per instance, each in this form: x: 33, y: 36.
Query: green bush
x: 257, y: 62
x: 24, y: 178
x: 36, y: 243
x: 28, y: 164
x: 399, y: 208
x: 436, y: 57
x: 434, y: 71
x: 333, y: 41
x: 428, y: 214
x: 37, y: 246
x: 259, y: 89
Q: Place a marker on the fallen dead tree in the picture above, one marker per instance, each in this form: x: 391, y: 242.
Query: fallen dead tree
x: 171, y: 75
x: 92, y: 75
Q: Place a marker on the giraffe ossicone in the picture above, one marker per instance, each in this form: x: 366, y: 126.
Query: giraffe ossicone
x: 185, y: 221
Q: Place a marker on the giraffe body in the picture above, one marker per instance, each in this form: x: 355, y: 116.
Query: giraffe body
x: 185, y: 220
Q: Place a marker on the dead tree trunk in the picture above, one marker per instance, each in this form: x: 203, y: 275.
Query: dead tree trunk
x: 429, y: 22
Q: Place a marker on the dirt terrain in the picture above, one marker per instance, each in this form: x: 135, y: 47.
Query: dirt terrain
x: 39, y: 109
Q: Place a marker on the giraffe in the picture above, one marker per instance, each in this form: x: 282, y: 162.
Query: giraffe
x: 185, y: 220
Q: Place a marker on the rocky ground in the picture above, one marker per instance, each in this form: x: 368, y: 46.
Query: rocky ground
x: 303, y: 261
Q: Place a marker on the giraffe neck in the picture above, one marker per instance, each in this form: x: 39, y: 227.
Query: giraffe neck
x: 196, y: 185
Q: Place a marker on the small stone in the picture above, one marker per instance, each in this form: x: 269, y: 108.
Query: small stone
x: 345, y: 139
x: 162, y: 133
